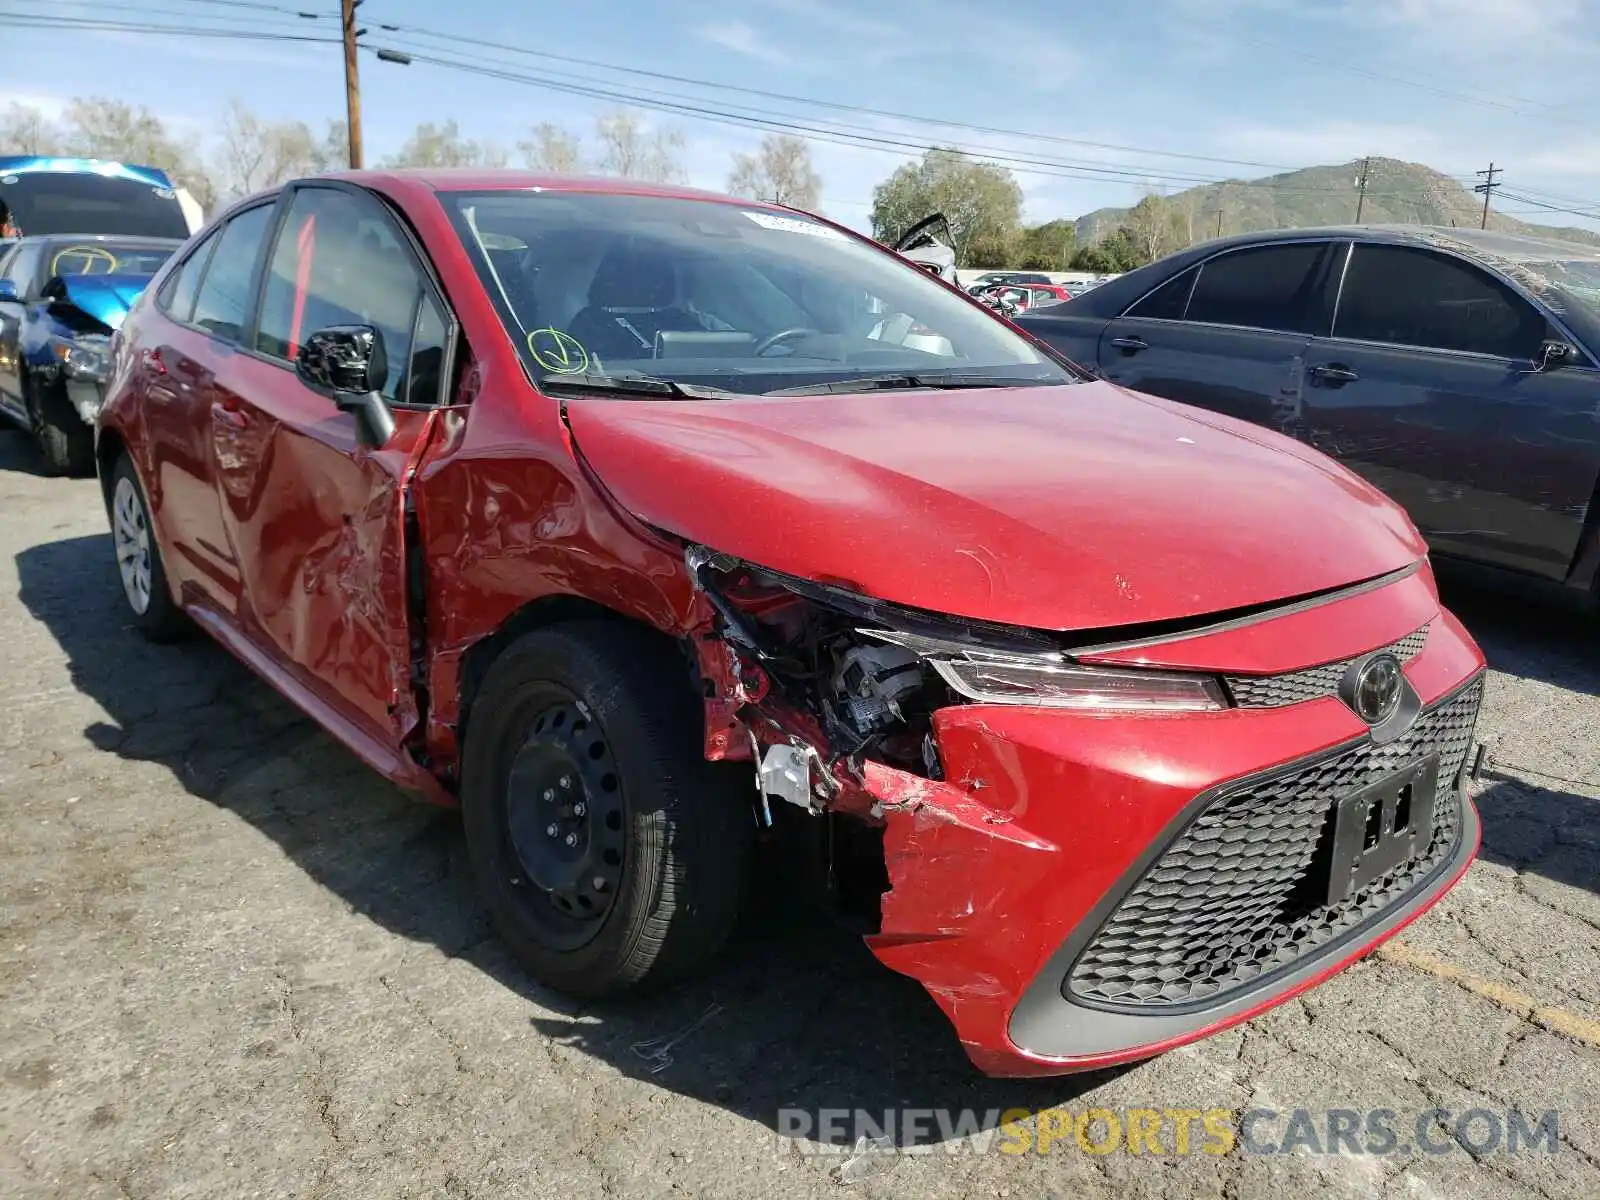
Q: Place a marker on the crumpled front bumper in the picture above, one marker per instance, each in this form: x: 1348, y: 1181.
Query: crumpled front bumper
x: 1001, y: 872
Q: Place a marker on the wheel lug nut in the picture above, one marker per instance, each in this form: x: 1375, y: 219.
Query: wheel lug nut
x: 566, y: 781
x: 579, y: 809
x: 549, y: 795
x: 550, y: 830
x: 572, y: 839
x: 600, y: 883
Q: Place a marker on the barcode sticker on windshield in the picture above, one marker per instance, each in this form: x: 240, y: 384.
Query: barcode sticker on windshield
x: 793, y: 225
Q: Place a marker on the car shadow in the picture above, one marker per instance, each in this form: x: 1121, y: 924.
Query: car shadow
x: 19, y: 453
x: 1529, y: 630
x: 796, y: 1015
x: 1539, y: 830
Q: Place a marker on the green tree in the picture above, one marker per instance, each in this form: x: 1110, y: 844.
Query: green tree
x: 1047, y: 247
x: 780, y: 172
x: 1111, y: 255
x: 982, y: 201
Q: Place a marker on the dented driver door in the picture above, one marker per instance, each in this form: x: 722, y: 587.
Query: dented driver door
x: 317, y: 518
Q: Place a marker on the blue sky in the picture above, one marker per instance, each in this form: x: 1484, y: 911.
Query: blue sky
x: 1282, y: 83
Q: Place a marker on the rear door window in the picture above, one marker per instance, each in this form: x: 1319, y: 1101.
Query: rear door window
x: 1170, y: 301
x: 223, y: 302
x: 176, y: 297
x: 1404, y: 296
x: 1262, y: 287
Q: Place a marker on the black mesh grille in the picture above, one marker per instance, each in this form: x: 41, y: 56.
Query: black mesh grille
x: 1241, y: 892
x: 1275, y: 691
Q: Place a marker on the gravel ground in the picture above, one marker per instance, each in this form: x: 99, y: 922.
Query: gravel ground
x: 234, y: 963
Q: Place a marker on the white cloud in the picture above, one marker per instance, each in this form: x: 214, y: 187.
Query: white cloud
x: 742, y: 38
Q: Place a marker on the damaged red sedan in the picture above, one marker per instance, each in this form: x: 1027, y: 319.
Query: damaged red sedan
x: 647, y: 525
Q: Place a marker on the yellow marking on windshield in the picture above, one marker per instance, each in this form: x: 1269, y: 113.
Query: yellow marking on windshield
x: 90, y: 256
x: 558, y: 352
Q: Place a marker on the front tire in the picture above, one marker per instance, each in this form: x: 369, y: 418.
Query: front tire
x: 65, y: 442
x: 144, y: 579
x: 611, y: 855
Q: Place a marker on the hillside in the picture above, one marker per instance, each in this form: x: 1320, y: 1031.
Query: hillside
x: 1397, y: 192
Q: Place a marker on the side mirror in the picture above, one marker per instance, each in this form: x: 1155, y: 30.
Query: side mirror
x: 348, y: 363
x: 8, y: 291
x: 1553, y: 353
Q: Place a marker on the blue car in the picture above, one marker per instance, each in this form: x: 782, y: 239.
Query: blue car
x: 61, y: 299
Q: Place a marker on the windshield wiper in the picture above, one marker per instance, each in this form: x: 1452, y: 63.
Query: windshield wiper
x: 634, y: 385
x: 878, y: 383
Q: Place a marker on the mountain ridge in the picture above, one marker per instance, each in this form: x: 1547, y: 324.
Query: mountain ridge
x: 1397, y: 193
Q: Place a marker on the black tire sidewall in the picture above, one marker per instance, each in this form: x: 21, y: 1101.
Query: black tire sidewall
x: 65, y: 443
x: 623, y: 679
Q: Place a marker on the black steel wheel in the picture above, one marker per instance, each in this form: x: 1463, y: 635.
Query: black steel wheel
x: 610, y: 854
x: 565, y: 817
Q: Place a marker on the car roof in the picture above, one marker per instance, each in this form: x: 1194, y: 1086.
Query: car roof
x: 478, y: 179
x: 1475, y: 243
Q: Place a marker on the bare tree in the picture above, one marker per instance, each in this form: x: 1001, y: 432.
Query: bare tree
x: 256, y: 154
x: 780, y: 172
x: 632, y: 151
x: 26, y: 130
x: 548, y: 147
x: 433, y: 145
x: 101, y: 128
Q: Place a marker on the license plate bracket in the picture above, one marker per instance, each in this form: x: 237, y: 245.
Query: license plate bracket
x: 1382, y: 826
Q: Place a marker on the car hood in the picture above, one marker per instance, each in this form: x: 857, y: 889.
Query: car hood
x: 106, y: 298
x: 1078, y: 507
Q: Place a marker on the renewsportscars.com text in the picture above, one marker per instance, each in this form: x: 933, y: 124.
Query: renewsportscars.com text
x: 1170, y: 1131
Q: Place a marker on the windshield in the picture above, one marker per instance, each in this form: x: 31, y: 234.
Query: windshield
x: 1577, y: 281
x: 47, y: 202
x: 106, y: 258
x: 721, y: 295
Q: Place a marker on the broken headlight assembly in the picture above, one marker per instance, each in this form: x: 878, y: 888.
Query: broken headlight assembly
x: 1048, y: 680
x: 870, y: 675
x: 82, y: 359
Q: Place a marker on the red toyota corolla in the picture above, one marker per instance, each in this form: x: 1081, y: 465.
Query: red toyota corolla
x: 647, y: 524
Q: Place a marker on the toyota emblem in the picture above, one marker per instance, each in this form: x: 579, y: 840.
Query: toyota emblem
x: 1375, y: 687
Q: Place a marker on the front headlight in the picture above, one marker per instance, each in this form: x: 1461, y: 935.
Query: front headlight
x: 82, y: 361
x: 1048, y: 680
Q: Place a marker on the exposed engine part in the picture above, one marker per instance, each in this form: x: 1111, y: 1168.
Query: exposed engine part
x: 870, y: 681
x: 786, y: 772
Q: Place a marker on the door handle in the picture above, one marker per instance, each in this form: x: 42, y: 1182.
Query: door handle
x: 1333, y: 375
x: 1130, y: 345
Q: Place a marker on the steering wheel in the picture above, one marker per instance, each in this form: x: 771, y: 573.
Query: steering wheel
x: 783, y: 335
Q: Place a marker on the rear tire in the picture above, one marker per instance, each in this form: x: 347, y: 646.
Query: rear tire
x: 611, y: 855
x: 144, y: 579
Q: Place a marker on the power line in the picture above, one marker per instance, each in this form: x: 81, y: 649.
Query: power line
x: 417, y: 31
x: 91, y: 25
x: 750, y: 117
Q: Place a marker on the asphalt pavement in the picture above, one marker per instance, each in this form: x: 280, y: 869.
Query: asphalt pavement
x: 234, y: 963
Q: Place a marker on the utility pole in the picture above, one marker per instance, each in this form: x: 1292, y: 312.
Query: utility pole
x: 1487, y: 187
x: 1219, y: 222
x: 1361, y: 184
x: 352, y: 79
